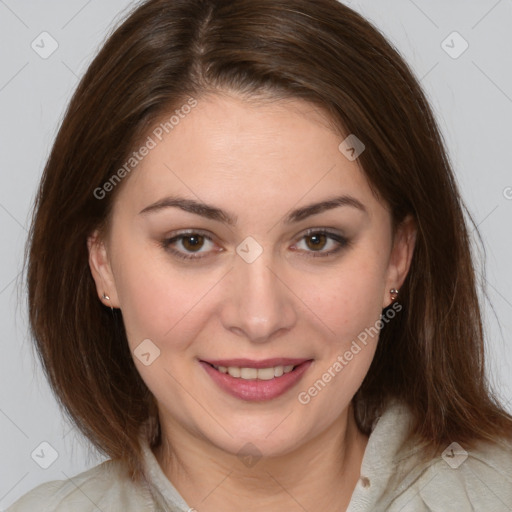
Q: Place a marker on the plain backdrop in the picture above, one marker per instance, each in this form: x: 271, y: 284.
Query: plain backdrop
x: 470, y: 90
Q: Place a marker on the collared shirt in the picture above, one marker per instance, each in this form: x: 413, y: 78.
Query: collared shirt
x: 392, y: 480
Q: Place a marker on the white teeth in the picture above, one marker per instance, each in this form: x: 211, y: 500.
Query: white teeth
x: 255, y: 373
x: 266, y: 373
x: 278, y: 371
x: 233, y: 371
x: 248, y: 373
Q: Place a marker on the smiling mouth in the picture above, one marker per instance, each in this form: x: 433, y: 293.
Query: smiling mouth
x: 248, y: 369
x: 247, y: 373
x: 256, y: 381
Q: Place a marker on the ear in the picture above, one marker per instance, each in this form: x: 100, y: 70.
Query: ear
x: 400, y: 257
x: 101, y: 270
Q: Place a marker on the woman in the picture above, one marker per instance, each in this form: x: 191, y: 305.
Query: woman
x: 250, y: 280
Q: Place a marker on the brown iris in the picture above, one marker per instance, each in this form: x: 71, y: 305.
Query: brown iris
x: 192, y: 242
x: 320, y: 241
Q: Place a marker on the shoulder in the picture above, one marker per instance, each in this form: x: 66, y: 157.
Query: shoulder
x: 465, y: 480
x: 460, y: 478
x: 104, y: 487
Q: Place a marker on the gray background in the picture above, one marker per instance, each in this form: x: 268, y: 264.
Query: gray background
x: 471, y: 96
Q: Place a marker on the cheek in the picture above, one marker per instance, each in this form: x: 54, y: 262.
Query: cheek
x: 155, y: 297
x: 350, y: 305
x: 348, y: 299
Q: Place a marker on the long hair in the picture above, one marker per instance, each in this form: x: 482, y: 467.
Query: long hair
x: 430, y: 357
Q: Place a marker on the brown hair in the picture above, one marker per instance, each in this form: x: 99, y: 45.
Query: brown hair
x: 430, y: 356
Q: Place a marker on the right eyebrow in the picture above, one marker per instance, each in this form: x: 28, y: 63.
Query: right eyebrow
x: 192, y: 206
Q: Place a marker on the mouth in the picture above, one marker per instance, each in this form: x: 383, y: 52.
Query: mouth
x: 256, y: 380
x: 262, y: 370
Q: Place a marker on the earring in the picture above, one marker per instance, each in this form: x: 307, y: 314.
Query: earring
x: 106, y: 297
x: 394, y: 293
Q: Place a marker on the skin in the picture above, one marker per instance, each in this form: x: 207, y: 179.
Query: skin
x: 257, y: 161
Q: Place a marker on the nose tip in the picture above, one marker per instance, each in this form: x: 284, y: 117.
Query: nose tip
x: 259, y: 307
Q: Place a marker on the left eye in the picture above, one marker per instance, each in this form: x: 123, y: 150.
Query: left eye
x: 316, y: 241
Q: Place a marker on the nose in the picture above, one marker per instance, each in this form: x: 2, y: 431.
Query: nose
x: 259, y: 304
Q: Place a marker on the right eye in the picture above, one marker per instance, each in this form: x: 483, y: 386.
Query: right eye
x: 191, y: 242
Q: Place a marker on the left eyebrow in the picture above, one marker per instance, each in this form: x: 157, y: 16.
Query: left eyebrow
x: 316, y: 208
x: 214, y: 213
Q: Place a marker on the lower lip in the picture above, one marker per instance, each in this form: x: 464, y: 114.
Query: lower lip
x: 256, y: 390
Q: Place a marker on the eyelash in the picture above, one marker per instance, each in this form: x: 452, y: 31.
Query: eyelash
x: 341, y: 240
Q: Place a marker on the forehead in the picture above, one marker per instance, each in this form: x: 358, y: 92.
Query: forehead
x: 227, y: 150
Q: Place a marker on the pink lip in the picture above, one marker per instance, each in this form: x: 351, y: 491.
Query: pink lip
x: 256, y: 390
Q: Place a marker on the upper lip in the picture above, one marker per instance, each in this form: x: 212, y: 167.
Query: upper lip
x: 251, y: 363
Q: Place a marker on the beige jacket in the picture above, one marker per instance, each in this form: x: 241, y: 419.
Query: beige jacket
x: 391, y: 480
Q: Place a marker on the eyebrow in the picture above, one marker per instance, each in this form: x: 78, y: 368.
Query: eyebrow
x: 216, y: 214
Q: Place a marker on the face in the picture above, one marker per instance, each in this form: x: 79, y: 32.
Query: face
x: 245, y: 241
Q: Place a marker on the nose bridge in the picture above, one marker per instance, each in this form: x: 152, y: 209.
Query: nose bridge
x: 259, y: 304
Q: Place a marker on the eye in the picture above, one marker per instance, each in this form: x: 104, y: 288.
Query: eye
x: 317, y: 240
x: 191, y: 241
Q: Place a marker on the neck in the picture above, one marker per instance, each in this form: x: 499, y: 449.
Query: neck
x: 318, y: 475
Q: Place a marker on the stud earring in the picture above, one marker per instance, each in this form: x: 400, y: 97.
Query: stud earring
x: 106, y: 297
x: 394, y: 293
